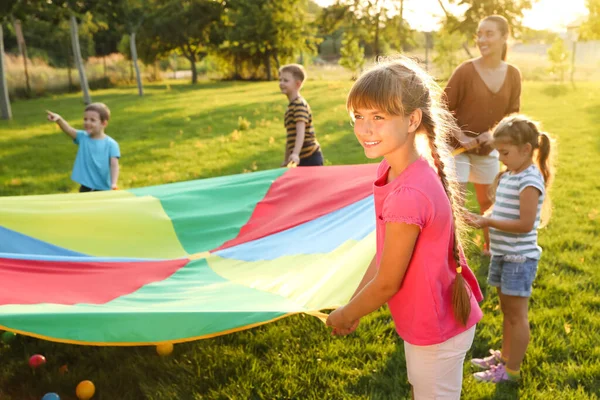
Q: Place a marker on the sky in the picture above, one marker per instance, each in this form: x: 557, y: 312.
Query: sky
x: 552, y: 15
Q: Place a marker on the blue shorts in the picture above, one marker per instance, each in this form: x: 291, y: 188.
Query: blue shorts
x: 514, y: 275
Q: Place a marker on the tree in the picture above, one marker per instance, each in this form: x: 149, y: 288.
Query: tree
x: 559, y: 57
x: 55, y: 12
x: 108, y: 37
x: 376, y: 23
x: 353, y: 55
x: 446, y: 47
x: 126, y: 17
x: 528, y: 35
x: 188, y: 27
x: 47, y: 29
x: 512, y: 10
x: 590, y: 30
x: 261, y: 34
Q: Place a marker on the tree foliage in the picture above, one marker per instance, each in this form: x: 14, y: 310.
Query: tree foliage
x: 353, y: 55
x: 190, y: 27
x: 559, y: 59
x: 476, y: 10
x: 590, y: 30
x: 447, y: 46
x: 379, y: 25
x: 260, y: 35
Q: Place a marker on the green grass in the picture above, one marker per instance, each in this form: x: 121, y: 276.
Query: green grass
x: 179, y: 132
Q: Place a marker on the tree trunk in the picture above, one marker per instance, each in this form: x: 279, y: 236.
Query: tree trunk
x: 465, y: 46
x: 175, y: 66
x: 236, y: 66
x: 22, y: 50
x: 427, y: 46
x: 444, y: 8
x: 134, y: 59
x: 401, y: 26
x: 376, y: 44
x: 573, y: 62
x: 69, y: 70
x: 192, y: 59
x: 5, y: 111
x: 268, y: 66
x: 79, y: 62
x: 104, y: 64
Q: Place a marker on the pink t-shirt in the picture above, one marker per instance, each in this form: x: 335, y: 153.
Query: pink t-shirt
x: 422, y: 308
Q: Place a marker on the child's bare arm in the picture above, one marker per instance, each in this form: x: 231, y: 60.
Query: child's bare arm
x: 114, y: 173
x: 300, y: 130
x: 64, y: 125
x: 399, y: 243
x: 286, y: 155
x: 398, y: 248
x: 367, y: 277
x: 528, y: 202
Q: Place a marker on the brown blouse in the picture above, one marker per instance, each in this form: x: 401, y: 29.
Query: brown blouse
x: 477, y: 109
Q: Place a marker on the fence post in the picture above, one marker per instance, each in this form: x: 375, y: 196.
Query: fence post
x: 5, y: 111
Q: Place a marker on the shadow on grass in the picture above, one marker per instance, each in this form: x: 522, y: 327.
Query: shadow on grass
x: 594, y: 113
x: 388, y: 382
x: 556, y: 90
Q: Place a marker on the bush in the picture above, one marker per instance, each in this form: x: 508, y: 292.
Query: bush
x: 243, y: 124
x: 559, y: 57
x: 44, y: 79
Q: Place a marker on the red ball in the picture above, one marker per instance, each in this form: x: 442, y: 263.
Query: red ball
x: 37, y: 360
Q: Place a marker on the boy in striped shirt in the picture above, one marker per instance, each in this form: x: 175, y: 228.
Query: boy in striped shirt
x: 301, y: 148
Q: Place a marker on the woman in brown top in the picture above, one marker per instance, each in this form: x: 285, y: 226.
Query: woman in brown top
x: 480, y: 93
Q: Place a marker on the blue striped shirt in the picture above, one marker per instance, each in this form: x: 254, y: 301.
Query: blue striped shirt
x: 507, y: 207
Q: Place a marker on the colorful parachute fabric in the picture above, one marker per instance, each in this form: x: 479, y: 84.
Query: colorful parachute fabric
x: 187, y: 260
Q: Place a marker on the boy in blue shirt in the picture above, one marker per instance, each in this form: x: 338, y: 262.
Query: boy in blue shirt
x: 97, y: 163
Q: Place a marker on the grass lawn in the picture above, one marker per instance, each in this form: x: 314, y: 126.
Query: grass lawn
x: 179, y: 132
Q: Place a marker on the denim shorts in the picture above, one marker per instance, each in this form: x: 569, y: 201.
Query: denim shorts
x: 513, y: 274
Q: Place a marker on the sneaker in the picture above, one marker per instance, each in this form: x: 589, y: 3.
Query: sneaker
x: 489, y: 361
x: 496, y: 374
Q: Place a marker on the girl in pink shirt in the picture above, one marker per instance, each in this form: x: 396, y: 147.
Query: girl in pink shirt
x: 419, y: 268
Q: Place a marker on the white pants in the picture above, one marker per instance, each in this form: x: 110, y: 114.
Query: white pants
x: 435, y: 372
x: 477, y: 169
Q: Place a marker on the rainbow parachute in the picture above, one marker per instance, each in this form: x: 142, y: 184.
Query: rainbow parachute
x: 187, y: 260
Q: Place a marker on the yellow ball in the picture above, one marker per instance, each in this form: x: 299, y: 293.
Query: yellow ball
x: 85, y: 390
x: 164, y: 349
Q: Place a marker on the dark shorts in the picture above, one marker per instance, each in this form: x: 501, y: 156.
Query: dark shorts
x: 314, y: 160
x: 85, y: 189
x: 514, y: 275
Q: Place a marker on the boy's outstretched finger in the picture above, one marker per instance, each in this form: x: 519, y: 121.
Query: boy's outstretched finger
x: 51, y: 116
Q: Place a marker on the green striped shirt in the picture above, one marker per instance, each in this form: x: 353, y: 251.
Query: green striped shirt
x: 507, y: 207
x: 299, y: 111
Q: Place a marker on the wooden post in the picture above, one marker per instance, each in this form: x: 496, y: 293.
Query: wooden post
x: 5, y: 111
x: 22, y: 50
x: 79, y: 62
x: 135, y: 63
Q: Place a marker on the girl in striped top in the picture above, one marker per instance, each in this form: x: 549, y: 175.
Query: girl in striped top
x: 519, y: 209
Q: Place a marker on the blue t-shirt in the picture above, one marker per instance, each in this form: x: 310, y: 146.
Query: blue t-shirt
x: 92, y: 164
